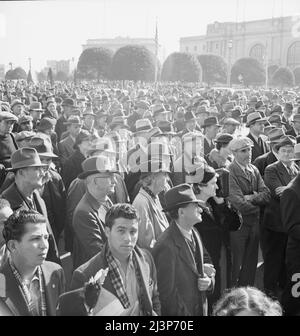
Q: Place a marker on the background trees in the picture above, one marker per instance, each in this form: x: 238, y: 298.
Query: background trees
x: 283, y: 77
x: 181, y: 66
x: 250, y: 69
x: 214, y: 68
x: 94, y: 63
x: 133, y: 62
x: 17, y: 73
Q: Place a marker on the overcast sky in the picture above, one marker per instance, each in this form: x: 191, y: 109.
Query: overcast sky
x: 47, y: 30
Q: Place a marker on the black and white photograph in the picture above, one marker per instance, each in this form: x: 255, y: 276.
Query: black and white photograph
x: 150, y: 160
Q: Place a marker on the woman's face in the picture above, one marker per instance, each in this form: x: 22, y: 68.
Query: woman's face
x: 210, y: 188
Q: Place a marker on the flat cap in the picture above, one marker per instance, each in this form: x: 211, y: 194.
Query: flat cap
x: 4, y: 115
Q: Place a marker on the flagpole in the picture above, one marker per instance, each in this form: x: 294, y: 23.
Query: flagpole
x: 156, y: 52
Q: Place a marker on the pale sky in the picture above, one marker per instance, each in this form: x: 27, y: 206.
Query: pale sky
x: 55, y: 30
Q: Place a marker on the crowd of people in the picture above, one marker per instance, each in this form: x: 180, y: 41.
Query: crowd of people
x: 165, y: 195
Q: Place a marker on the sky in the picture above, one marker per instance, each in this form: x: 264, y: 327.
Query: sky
x: 56, y: 30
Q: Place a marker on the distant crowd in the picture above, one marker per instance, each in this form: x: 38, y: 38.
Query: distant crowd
x: 124, y: 198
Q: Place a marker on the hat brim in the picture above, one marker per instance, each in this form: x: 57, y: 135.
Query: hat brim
x: 34, y: 165
x: 84, y: 175
x: 257, y: 120
x: 183, y: 203
x: 48, y: 155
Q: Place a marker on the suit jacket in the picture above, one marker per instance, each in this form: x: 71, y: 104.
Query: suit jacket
x: 72, y: 167
x: 16, y: 201
x: 276, y: 176
x: 241, y: 185
x: 291, y: 132
x: 148, y: 290
x: 54, y: 281
x: 256, y: 149
x: 208, y: 147
x: 152, y: 219
x: 65, y: 148
x: 263, y: 161
x: 177, y: 274
x: 88, y: 226
x: 290, y: 214
x: 60, y: 127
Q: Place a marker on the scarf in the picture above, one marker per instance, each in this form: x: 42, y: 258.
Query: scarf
x: 117, y: 281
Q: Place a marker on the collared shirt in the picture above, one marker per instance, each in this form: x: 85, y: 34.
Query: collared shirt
x: 129, y: 280
x: 244, y: 169
x: 188, y: 235
x: 255, y: 137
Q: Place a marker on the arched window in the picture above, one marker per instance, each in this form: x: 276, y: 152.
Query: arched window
x: 258, y: 52
x: 293, y: 55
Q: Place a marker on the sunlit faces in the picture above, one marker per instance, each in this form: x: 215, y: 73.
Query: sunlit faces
x: 32, y: 249
x: 6, y: 126
x: 191, y: 214
x: 89, y: 121
x: 105, y: 183
x: 122, y: 237
x: 159, y: 182
x: 243, y: 156
x: 34, y: 176
x: 18, y: 109
x: 74, y: 130
x: 258, y: 127
x: 212, y: 131
x: 210, y: 188
x: 285, y: 154
x: 26, y: 126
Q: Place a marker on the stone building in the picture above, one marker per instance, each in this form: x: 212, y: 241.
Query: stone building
x: 278, y: 38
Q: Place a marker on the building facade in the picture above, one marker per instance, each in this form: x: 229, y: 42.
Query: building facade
x: 57, y: 66
x: 118, y: 42
x: 275, y: 41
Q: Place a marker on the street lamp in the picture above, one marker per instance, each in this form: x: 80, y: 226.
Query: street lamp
x: 229, y: 62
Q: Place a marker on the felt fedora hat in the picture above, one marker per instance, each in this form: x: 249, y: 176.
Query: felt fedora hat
x: 182, y: 194
x: 42, y: 146
x: 25, y: 157
x: 96, y: 165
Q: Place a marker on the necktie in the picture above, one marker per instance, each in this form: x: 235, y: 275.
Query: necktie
x: 260, y: 143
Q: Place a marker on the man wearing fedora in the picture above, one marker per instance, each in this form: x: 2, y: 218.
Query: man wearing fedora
x: 88, y: 117
x: 262, y: 161
x: 277, y: 176
x: 35, y: 111
x: 154, y: 174
x: 68, y: 105
x: 290, y: 215
x: 247, y: 193
x: 30, y: 286
x: 8, y: 144
x: 66, y: 146
x: 190, y: 123
x: 295, y: 129
x: 72, y: 167
x: 131, y: 273
x: 25, y: 123
x: 211, y: 128
x: 256, y: 123
x: 23, y: 193
x: 141, y: 107
x: 89, y: 215
x: 183, y: 274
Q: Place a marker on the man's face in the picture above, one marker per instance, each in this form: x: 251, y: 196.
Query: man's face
x: 122, y: 237
x: 36, y: 115
x: 192, y: 214
x: 191, y: 125
x: 285, y: 154
x: 243, y: 156
x: 4, y: 214
x: 105, y: 184
x: 288, y: 113
x: 32, y: 249
x: 212, y: 131
x: 34, y: 176
x: 258, y: 127
x: 52, y: 107
x: 74, y: 130
x: 18, y: 110
x: 230, y: 128
x: 6, y: 126
x: 89, y: 121
x: 160, y: 181
x: 26, y: 126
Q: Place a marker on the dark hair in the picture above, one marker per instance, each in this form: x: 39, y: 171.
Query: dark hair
x: 14, y: 226
x: 120, y: 210
x: 236, y: 300
x: 4, y: 203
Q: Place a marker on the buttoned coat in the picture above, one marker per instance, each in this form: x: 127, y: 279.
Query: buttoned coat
x: 241, y: 185
x: 177, y: 274
x: 276, y: 176
x: 72, y: 167
x: 88, y: 226
x: 54, y: 281
x: 148, y: 290
x: 66, y: 148
x: 153, y: 221
x: 17, y: 203
x: 263, y: 161
x: 256, y: 150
